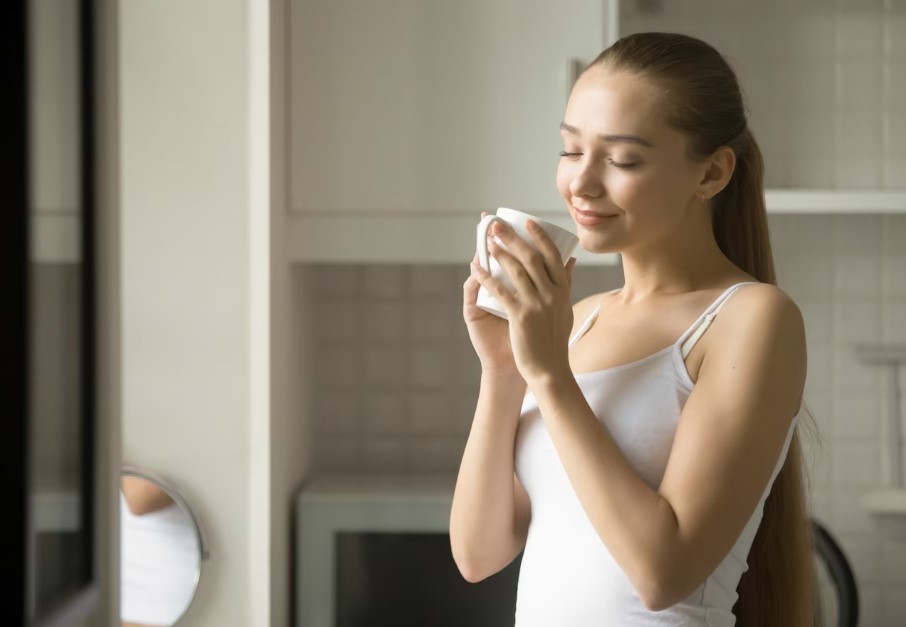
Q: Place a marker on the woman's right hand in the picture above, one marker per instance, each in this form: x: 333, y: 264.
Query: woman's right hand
x: 490, y: 334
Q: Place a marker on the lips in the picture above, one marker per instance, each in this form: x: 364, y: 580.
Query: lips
x: 588, y: 218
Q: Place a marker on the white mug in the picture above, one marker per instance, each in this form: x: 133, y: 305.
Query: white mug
x: 565, y: 241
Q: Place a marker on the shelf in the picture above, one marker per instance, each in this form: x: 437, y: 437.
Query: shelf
x: 832, y: 201
x: 886, y: 502
x: 372, y: 236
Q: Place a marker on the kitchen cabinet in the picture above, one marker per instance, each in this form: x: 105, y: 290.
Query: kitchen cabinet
x: 410, y: 117
x: 427, y: 107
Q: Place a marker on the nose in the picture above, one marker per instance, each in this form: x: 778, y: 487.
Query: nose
x: 587, y: 181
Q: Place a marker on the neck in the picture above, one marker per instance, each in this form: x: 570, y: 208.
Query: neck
x: 686, y: 260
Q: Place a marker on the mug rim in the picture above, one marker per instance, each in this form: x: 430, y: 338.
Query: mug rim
x: 535, y: 218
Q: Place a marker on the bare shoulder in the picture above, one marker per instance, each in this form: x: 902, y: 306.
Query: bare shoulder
x: 761, y: 309
x: 759, y: 342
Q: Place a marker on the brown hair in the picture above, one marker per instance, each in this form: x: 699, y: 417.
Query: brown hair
x: 704, y: 101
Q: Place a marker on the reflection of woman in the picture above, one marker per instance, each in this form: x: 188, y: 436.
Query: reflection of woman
x: 159, y: 555
x: 652, y: 435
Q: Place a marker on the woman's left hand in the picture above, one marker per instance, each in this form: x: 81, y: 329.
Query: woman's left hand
x: 540, y: 312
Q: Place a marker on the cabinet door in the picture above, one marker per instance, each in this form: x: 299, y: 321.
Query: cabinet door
x: 426, y: 105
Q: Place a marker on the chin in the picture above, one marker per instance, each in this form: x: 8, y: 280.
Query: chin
x: 596, y: 245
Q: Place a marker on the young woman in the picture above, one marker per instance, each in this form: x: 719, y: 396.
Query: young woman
x: 642, y: 445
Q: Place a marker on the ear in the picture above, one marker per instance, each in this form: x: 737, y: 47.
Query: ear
x: 718, y: 172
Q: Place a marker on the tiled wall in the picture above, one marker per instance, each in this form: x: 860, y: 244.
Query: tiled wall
x: 397, y: 378
x: 824, y: 79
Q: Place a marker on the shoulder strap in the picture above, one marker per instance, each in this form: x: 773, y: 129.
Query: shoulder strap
x: 689, y: 339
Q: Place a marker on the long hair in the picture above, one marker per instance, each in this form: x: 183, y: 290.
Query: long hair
x: 703, y: 100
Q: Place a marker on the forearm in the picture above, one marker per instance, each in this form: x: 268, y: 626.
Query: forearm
x: 483, y: 511
x: 636, y: 524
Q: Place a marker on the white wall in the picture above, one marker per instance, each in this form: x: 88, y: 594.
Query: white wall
x: 195, y: 252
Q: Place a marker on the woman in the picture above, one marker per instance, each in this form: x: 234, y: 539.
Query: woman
x: 652, y: 472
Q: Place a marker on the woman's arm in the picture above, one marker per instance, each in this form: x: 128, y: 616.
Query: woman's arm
x: 490, y: 513
x: 728, y: 440
x: 143, y: 496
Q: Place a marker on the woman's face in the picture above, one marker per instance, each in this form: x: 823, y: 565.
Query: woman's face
x: 622, y: 163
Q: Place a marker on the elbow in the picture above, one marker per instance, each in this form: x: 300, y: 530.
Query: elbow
x: 470, y: 574
x: 467, y: 566
x: 658, y: 590
x: 470, y: 570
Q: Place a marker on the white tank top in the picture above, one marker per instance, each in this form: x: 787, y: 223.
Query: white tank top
x: 567, y: 576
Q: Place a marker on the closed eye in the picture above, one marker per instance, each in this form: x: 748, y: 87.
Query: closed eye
x: 623, y: 166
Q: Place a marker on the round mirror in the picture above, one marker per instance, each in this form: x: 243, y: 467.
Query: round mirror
x: 162, y: 546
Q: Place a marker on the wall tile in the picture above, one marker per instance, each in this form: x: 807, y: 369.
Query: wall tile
x: 859, y: 132
x: 859, y: 35
x: 811, y: 84
x: 338, y: 320
x: 429, y: 366
x: 893, y: 563
x: 895, y: 173
x: 856, y: 464
x: 857, y: 233
x: 433, y: 280
x: 851, y: 375
x: 337, y: 454
x: 895, y: 131
x: 813, y: 36
x: 895, y: 322
x: 858, y: 275
x: 384, y: 367
x: 857, y: 417
x: 819, y: 321
x: 820, y: 373
x: 894, y: 276
x: 435, y: 454
x: 809, y: 276
x: 337, y: 414
x: 847, y: 514
x: 384, y: 321
x: 431, y: 413
x: 384, y: 454
x: 812, y: 135
x: 895, y: 233
x: 338, y: 367
x: 384, y: 413
x: 337, y: 280
x: 857, y: 322
x: 384, y: 281
x: 431, y: 321
x: 467, y: 367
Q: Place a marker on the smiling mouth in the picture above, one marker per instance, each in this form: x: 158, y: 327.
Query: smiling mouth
x: 586, y: 218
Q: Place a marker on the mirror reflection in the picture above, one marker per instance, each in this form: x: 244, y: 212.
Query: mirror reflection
x: 162, y: 547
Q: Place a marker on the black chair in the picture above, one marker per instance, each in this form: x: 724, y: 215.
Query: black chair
x: 840, y: 573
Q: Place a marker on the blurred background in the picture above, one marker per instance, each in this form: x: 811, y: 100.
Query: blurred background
x: 248, y: 224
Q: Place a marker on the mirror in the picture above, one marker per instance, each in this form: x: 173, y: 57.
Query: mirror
x: 162, y: 547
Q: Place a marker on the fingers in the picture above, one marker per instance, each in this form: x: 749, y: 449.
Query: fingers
x: 553, y: 262
x: 496, y: 288
x: 532, y: 259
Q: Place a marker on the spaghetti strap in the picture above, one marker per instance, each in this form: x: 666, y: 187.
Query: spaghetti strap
x: 689, y: 339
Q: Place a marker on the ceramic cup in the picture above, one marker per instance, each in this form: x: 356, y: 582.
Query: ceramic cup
x: 565, y: 241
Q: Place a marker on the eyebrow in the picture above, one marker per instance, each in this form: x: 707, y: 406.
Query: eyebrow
x: 632, y: 139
